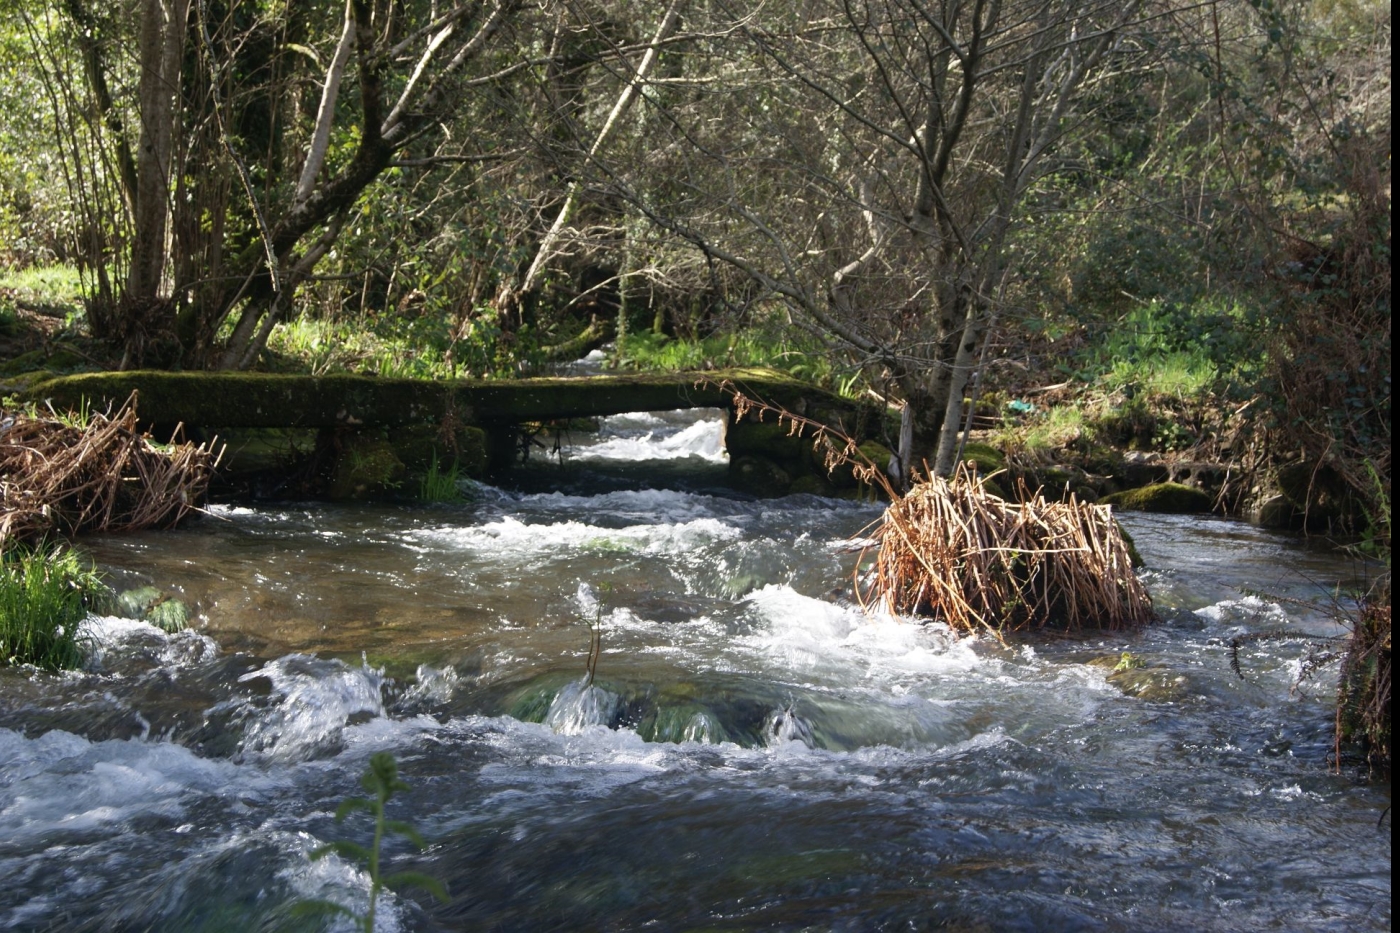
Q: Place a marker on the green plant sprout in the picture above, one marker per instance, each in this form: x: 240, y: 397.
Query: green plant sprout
x: 597, y: 603
x: 381, y: 779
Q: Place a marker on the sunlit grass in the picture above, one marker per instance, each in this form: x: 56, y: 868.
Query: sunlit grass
x: 60, y: 282
x: 321, y: 347
x: 45, y: 592
x: 650, y: 351
x: 1181, y: 375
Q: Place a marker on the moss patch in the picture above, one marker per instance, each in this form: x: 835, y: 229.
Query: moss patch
x: 767, y: 439
x: 367, y: 465
x: 1161, y: 497
x: 759, y: 476
x: 987, y: 457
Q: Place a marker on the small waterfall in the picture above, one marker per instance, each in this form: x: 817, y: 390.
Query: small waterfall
x: 785, y: 727
x: 581, y: 705
x: 312, y: 701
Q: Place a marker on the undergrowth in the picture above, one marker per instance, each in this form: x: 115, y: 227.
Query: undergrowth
x: 651, y: 351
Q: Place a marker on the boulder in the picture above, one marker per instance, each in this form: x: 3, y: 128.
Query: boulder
x: 1161, y: 497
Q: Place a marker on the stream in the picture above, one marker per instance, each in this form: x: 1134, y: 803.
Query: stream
x: 754, y: 752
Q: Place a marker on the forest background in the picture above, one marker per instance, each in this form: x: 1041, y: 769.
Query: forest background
x: 1155, y: 223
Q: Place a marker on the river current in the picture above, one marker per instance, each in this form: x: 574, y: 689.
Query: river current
x: 754, y: 752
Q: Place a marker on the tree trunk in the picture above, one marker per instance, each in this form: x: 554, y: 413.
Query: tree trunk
x: 161, y: 48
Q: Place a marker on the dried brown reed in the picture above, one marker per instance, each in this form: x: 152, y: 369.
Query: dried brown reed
x: 103, y: 476
x: 952, y: 550
x: 1363, y: 689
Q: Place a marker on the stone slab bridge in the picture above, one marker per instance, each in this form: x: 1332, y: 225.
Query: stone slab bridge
x: 480, y: 421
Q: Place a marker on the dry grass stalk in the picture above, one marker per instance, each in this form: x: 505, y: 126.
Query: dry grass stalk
x: 106, y: 476
x: 952, y: 550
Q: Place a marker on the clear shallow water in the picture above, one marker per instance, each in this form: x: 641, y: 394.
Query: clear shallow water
x: 754, y: 754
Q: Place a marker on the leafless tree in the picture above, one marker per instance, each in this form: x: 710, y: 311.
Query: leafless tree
x: 865, y: 160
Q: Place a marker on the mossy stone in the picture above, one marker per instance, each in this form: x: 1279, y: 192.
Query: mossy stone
x: 759, y: 476
x: 1174, y: 498
x: 1153, y: 684
x: 1133, y: 556
x: 811, y: 485
x: 987, y: 457
x: 218, y: 400
x: 365, y: 466
x: 767, y: 439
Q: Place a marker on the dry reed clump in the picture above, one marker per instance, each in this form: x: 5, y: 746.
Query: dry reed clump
x: 1363, y: 689
x: 104, y: 476
x: 952, y: 550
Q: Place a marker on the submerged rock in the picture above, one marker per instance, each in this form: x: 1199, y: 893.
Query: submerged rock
x: 149, y: 604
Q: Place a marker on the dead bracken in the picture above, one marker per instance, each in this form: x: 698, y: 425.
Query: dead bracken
x: 954, y: 551
x: 63, y: 475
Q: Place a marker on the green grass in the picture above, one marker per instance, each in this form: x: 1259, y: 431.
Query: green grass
x: 1054, y: 430
x: 419, y: 348
x: 651, y: 351
x: 55, y: 290
x: 1181, y: 375
x: 59, y: 282
x: 440, y: 485
x: 45, y: 592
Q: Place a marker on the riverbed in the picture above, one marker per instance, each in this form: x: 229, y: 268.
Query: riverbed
x: 754, y: 752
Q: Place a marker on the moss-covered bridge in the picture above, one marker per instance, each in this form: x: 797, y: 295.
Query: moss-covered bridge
x: 352, y: 408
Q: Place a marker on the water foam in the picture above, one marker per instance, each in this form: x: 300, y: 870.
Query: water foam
x: 703, y: 440
x: 313, y: 700
x: 63, y: 783
x: 105, y: 636
x: 509, y: 536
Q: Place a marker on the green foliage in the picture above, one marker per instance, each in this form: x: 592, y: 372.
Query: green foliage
x: 1056, y: 429
x: 423, y: 347
x: 55, y: 289
x: 440, y: 485
x: 1128, y: 661
x: 9, y: 319
x: 381, y: 780
x: 45, y: 592
x: 647, y: 350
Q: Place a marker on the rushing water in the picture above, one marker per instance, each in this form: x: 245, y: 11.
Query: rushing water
x: 754, y: 753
